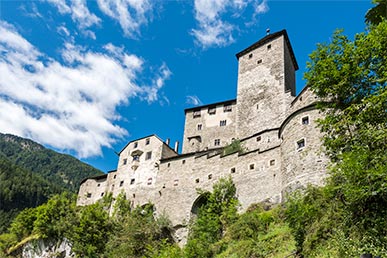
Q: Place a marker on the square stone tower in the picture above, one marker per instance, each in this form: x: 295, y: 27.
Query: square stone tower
x: 266, y: 84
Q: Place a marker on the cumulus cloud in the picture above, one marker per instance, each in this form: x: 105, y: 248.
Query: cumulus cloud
x: 193, y: 100
x: 72, y: 105
x: 130, y: 14
x: 212, y: 29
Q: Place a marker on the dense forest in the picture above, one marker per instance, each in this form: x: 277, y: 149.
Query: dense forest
x: 346, y: 217
x: 30, y: 174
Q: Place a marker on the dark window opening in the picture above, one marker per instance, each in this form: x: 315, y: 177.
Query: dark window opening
x: 121, y: 183
x: 223, y: 122
x: 132, y: 181
x: 305, y: 120
x: 196, y: 114
x: 148, y: 155
x: 301, y: 144
x: 232, y: 170
x: 212, y: 110
x: 251, y: 166
x: 259, y: 61
x: 227, y: 108
x: 147, y: 141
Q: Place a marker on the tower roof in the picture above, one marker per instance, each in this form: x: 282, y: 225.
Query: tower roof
x: 267, y: 39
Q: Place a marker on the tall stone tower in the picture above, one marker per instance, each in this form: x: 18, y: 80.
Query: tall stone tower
x: 266, y: 84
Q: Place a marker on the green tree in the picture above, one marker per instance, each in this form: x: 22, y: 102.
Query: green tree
x: 376, y: 14
x: 90, y: 231
x: 351, y: 78
x: 219, y: 211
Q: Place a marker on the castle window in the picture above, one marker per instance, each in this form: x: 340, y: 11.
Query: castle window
x: 232, y: 170
x: 196, y: 113
x: 121, y: 183
x: 149, y: 181
x: 147, y: 141
x: 227, y: 108
x: 259, y: 61
x: 269, y: 47
x: 223, y: 122
x: 217, y: 142
x: 250, y: 56
x: 169, y: 164
x: 135, y: 145
x: 102, y: 194
x: 272, y: 162
x: 200, y: 126
x: 212, y: 110
x: 132, y: 181
x: 197, y: 180
x: 300, y: 144
x: 251, y: 166
x: 183, y: 161
x: 259, y: 138
x: 114, y: 177
x: 305, y: 120
x: 125, y: 161
x: 209, y: 176
x: 176, y: 182
x: 148, y: 155
x: 98, y: 185
x: 88, y: 195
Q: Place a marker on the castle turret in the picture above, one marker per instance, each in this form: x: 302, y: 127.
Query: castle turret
x: 266, y: 84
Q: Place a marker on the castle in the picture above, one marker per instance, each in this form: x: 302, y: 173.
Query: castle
x: 280, y: 144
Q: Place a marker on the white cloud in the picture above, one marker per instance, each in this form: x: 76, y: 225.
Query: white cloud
x: 193, y: 100
x: 130, y: 14
x: 69, y: 106
x: 212, y: 29
x: 80, y: 14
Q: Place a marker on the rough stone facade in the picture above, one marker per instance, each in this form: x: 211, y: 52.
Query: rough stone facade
x: 282, y: 145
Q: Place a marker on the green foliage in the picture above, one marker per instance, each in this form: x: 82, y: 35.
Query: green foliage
x: 234, y: 146
x: 347, y: 217
x: 213, y: 218
x: 257, y: 233
x: 89, y: 232
x: 19, y: 189
x: 31, y: 174
x: 60, y: 169
x: 375, y: 15
x: 138, y: 234
x: 51, y: 217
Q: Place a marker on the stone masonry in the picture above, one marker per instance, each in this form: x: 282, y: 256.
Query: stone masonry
x: 282, y: 145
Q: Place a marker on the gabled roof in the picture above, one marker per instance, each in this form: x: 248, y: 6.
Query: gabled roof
x: 267, y: 39
x: 152, y: 135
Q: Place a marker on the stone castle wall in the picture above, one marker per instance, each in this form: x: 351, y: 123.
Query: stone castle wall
x: 277, y: 130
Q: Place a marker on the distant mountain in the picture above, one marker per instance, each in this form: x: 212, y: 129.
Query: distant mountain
x: 31, y: 173
x: 60, y: 169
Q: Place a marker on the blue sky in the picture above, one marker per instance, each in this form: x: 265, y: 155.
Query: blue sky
x: 85, y: 77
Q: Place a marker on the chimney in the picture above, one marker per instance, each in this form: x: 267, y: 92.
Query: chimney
x: 167, y: 141
x: 176, y: 146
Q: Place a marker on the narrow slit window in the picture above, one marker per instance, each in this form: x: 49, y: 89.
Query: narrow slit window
x: 300, y: 144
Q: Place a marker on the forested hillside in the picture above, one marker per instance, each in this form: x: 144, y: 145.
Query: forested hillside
x: 30, y: 174
x: 61, y: 169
